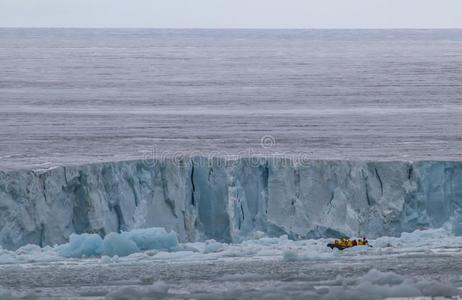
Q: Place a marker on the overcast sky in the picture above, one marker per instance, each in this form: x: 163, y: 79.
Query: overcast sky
x: 232, y: 13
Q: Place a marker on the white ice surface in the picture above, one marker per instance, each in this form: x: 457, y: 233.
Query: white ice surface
x: 72, y: 97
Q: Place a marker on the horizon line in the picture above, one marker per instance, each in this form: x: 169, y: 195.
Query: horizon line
x: 233, y: 28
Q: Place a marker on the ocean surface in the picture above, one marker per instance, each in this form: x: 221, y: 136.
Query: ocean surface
x: 71, y: 96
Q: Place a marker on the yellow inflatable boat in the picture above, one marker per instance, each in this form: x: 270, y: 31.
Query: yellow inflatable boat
x: 347, y: 243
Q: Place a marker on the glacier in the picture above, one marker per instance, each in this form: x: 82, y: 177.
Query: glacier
x: 229, y: 200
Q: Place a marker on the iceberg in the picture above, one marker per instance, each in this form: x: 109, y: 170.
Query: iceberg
x: 82, y: 245
x: 225, y: 200
x: 115, y: 244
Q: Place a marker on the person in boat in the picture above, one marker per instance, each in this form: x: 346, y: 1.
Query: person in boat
x: 365, y: 242
x: 347, y: 243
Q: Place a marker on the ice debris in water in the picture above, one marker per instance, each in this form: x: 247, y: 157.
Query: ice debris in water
x: 5, y: 294
x: 158, y: 290
x: 160, y: 244
x: 374, y: 284
x: 120, y: 244
x: 153, y: 240
x: 212, y: 246
x: 380, y: 285
x: 438, y: 237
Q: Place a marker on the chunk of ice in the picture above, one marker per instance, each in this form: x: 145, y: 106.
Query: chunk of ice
x: 123, y: 244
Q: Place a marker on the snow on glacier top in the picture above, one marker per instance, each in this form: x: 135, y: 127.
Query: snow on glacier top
x: 81, y: 96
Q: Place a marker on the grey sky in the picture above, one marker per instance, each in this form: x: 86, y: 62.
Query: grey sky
x: 232, y: 13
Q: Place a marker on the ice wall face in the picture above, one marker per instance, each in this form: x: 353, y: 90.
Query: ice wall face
x: 45, y: 208
x: 229, y: 200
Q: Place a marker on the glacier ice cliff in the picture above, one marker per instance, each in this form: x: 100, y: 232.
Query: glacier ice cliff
x: 229, y: 200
